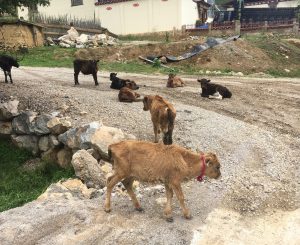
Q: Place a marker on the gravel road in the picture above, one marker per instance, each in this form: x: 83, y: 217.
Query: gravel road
x: 255, y: 134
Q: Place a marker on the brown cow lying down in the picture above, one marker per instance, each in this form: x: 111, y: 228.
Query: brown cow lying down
x: 162, y: 115
x: 149, y: 162
x: 174, y: 81
x: 128, y: 95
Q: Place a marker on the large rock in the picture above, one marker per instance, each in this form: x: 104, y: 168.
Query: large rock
x: 68, y: 189
x: 88, y: 170
x: 29, y: 123
x: 50, y: 155
x: 5, y: 128
x: 53, y: 140
x: 80, y: 137
x: 29, y: 142
x: 105, y: 136
x: 9, y: 110
x: 39, y: 125
x: 58, y: 125
x: 64, y: 157
x: 95, y: 133
x: 21, y: 124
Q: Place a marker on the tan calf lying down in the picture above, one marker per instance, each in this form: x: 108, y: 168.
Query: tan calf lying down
x: 174, y: 81
x: 149, y: 162
x: 128, y: 95
x: 162, y: 115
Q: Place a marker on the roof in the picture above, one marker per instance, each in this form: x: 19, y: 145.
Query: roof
x: 103, y: 2
x: 246, y: 2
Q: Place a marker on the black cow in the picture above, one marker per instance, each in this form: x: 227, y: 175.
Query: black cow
x: 209, y: 88
x: 118, y: 83
x: 6, y: 63
x: 87, y: 67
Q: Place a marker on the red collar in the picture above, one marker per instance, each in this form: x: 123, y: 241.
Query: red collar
x: 200, y: 177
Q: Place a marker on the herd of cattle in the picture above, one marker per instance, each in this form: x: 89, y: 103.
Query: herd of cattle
x: 169, y: 164
x: 162, y: 112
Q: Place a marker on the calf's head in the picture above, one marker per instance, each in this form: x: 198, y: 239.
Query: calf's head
x: 171, y: 76
x: 212, y: 166
x: 112, y: 76
x: 132, y: 85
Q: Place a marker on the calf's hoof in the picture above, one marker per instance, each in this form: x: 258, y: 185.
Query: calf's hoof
x: 97, y: 84
x: 169, y: 219
x: 140, y: 209
x: 107, y: 210
x: 188, y: 216
x: 76, y: 84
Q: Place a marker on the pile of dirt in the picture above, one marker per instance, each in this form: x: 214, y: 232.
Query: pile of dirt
x: 240, y: 55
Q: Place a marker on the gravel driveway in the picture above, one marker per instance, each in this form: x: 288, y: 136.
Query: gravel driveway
x: 255, y: 134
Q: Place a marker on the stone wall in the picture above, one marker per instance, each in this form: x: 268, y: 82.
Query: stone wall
x: 53, y: 138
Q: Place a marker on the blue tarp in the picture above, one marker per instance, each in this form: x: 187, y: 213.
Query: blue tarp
x: 210, y: 42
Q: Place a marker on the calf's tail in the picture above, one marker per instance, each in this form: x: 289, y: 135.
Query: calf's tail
x: 168, y: 135
x: 107, y: 157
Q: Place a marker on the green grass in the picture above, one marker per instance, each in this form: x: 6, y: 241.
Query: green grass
x: 19, y: 186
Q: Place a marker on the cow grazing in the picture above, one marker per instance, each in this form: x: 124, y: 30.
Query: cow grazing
x: 6, y: 63
x: 87, y: 67
x: 162, y: 115
x: 174, y: 81
x: 128, y: 95
x: 209, y: 89
x: 118, y: 83
x: 152, y: 163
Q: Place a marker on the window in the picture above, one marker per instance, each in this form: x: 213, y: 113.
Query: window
x: 76, y: 2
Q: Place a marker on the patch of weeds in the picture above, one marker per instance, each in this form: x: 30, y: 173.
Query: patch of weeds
x: 18, y: 185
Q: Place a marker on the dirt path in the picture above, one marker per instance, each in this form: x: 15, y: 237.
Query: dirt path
x: 255, y: 134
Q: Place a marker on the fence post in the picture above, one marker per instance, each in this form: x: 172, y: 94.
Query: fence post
x: 209, y: 28
x: 265, y: 26
x: 237, y: 27
x: 295, y: 26
x: 183, y: 29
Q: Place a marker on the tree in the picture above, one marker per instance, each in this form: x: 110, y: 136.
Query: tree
x: 9, y: 6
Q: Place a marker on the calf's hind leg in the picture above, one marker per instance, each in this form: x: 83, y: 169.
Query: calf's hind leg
x: 128, y: 185
x: 168, y: 208
x: 111, y: 182
x: 95, y: 79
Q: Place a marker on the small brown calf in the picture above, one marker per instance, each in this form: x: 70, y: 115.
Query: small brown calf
x: 149, y: 162
x: 162, y: 115
x: 175, y: 81
x: 127, y: 95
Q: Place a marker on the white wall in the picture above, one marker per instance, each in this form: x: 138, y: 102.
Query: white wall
x: 287, y: 4
x: 189, y: 12
x: 149, y: 16
x: 63, y: 8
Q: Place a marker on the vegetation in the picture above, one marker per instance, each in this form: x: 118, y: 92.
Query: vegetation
x: 9, y: 6
x: 19, y: 185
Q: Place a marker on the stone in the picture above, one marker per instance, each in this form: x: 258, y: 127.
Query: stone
x: 161, y: 201
x: 29, y: 142
x: 64, y: 157
x: 39, y: 125
x: 44, y: 143
x: 105, y: 136
x: 53, y: 141
x: 9, y: 110
x: 88, y: 170
x: 58, y: 125
x: 5, y: 128
x: 79, y: 138
x: 21, y: 123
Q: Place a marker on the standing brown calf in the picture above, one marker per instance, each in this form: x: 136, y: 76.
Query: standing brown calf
x: 127, y: 95
x: 162, y: 115
x: 87, y: 67
x: 149, y: 162
x: 174, y: 81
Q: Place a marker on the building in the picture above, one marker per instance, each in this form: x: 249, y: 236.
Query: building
x: 125, y: 16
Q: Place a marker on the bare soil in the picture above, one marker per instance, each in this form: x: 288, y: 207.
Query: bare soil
x: 255, y: 134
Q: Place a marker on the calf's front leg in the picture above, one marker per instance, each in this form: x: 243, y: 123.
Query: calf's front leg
x: 95, y: 79
x: 178, y: 191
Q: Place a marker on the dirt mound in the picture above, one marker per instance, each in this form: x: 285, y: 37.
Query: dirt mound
x: 240, y: 55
